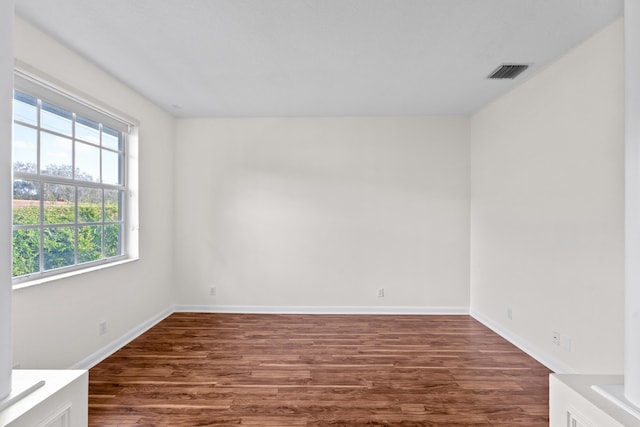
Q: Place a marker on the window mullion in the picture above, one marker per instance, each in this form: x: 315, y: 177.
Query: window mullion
x: 65, y: 181
x: 103, y: 220
x: 41, y: 185
x: 73, y: 146
x: 41, y: 204
x: 38, y: 137
x: 75, y: 216
x: 75, y: 189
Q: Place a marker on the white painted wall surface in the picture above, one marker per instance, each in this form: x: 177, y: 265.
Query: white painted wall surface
x: 6, y: 91
x: 56, y: 324
x: 547, y: 205
x: 320, y: 212
x: 632, y: 213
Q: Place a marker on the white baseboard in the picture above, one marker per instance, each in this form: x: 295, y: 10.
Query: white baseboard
x: 541, y: 356
x: 98, y: 356
x: 106, y: 351
x: 269, y: 309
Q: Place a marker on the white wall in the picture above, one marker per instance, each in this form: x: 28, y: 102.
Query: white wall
x: 547, y: 204
x: 6, y: 90
x: 632, y: 202
x: 320, y: 212
x: 56, y: 324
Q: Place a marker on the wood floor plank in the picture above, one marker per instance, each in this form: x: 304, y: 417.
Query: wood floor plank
x: 204, y: 369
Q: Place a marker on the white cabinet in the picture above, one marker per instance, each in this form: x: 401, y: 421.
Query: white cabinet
x: 574, y: 403
x: 62, y: 401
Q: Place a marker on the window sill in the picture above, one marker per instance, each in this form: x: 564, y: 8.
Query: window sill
x: 69, y: 274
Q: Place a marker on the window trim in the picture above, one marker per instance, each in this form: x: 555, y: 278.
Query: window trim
x: 31, y: 84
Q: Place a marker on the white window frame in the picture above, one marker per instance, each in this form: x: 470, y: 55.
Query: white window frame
x: 62, y: 97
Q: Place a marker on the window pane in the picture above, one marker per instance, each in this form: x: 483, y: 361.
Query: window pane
x: 113, y: 205
x: 25, y: 149
x: 55, y: 118
x: 110, y: 167
x: 25, y: 108
x: 59, y: 247
x: 112, y: 240
x: 26, y: 202
x: 59, y: 204
x: 87, y: 162
x: 89, y: 204
x: 55, y: 155
x: 26, y: 252
x: 89, y: 243
x: 111, y: 138
x: 87, y: 130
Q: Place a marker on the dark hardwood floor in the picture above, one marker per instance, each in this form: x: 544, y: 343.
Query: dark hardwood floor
x: 203, y: 369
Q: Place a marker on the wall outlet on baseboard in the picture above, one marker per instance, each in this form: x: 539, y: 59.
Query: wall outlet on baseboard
x: 380, y: 293
x: 212, y: 291
x: 102, y: 328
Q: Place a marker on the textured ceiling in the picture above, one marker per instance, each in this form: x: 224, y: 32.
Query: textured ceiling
x: 318, y: 57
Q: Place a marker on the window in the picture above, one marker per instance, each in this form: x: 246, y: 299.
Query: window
x: 69, y: 184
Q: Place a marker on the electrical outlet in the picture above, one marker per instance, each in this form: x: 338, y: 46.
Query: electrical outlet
x: 555, y: 338
x: 102, y: 328
x: 509, y: 314
x: 212, y: 291
x: 380, y: 293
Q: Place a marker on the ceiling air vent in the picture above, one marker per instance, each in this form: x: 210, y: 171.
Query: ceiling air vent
x: 508, y: 71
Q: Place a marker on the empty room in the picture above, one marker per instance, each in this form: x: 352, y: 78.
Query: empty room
x: 319, y: 212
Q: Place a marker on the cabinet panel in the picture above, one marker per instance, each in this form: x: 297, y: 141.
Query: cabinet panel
x: 62, y: 418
